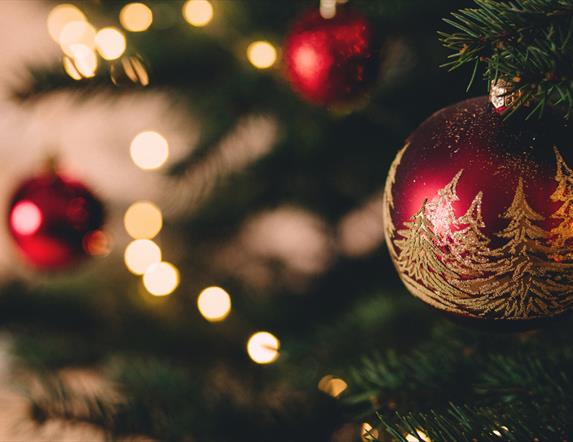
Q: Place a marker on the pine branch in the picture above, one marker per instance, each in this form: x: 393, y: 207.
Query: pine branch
x: 527, y: 43
x: 467, y: 386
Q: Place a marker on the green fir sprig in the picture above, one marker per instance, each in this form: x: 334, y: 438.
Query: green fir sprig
x: 527, y: 43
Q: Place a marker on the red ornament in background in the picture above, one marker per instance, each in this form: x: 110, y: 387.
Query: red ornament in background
x: 55, y: 221
x: 332, y: 61
x: 479, y: 214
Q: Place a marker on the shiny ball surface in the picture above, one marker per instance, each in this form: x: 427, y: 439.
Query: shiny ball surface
x: 53, y: 219
x: 479, y: 214
x: 331, y: 61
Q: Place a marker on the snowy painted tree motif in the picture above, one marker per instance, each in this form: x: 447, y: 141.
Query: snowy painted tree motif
x: 524, y: 283
x: 563, y: 233
x: 388, y: 203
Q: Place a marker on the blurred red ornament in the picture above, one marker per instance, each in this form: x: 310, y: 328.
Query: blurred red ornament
x: 332, y: 61
x: 479, y: 215
x: 54, y: 220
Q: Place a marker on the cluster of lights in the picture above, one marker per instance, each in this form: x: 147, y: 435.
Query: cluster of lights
x: 81, y: 42
x: 143, y: 222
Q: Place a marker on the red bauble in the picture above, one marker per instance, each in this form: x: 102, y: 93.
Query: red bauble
x: 331, y: 61
x: 479, y: 214
x: 54, y: 220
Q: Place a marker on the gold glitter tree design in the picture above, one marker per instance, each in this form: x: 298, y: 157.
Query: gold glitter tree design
x: 441, y: 213
x: 421, y: 260
x: 470, y: 246
x: 523, y: 283
x: 561, y: 234
x: 388, y: 203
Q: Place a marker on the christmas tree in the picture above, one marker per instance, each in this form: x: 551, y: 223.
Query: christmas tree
x: 203, y: 257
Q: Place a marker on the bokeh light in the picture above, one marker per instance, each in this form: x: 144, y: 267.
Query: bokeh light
x: 263, y: 347
x: 136, y: 17
x: 26, y: 218
x: 214, y: 303
x: 77, y: 33
x: 70, y: 69
x: 261, y: 54
x: 60, y: 16
x: 198, y: 12
x: 143, y: 220
x: 328, y: 9
x: 368, y: 433
x: 84, y: 60
x: 97, y: 243
x: 419, y: 437
x: 332, y: 386
x: 141, y: 254
x: 110, y: 43
x: 149, y: 150
x: 161, y: 279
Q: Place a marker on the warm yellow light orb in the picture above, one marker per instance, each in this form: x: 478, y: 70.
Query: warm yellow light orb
x: 161, y: 279
x: 143, y: 220
x: 77, y: 32
x: 214, y: 303
x: 140, y: 255
x: 261, y: 54
x: 198, y: 12
x: 84, y: 60
x: 263, y: 348
x: 332, y: 386
x: 368, y: 433
x: 149, y: 150
x: 110, y: 43
x: 136, y: 17
x: 60, y: 16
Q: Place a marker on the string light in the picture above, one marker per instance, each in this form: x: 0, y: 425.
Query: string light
x: 70, y: 69
x: 60, y: 16
x: 140, y: 255
x: 214, y: 303
x: 84, y: 59
x: 422, y: 437
x: 110, y: 43
x: 161, y: 279
x: 263, y: 347
x: 136, y: 17
x: 261, y: 54
x: 332, y: 386
x: 97, y: 243
x: 135, y: 70
x: 149, y: 150
x: 198, y: 12
x: 143, y: 220
x: 368, y: 433
x: 75, y: 33
x: 328, y: 9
